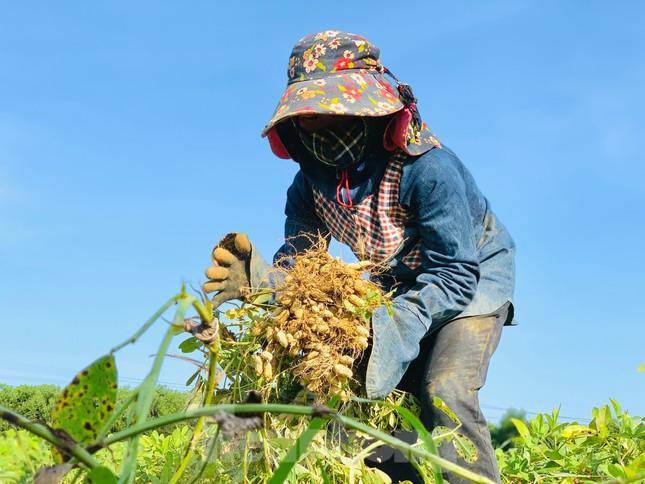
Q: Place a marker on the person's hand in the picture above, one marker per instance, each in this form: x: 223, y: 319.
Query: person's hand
x: 230, y: 272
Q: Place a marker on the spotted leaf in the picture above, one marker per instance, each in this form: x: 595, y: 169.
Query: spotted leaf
x: 86, y: 403
x: 465, y: 448
x: 441, y: 433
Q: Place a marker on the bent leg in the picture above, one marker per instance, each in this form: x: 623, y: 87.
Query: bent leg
x: 456, y: 366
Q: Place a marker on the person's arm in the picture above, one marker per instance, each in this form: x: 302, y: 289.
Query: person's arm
x: 438, y: 200
x: 449, y: 275
x: 302, y: 225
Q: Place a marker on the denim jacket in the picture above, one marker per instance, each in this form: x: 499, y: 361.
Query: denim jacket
x: 467, y: 254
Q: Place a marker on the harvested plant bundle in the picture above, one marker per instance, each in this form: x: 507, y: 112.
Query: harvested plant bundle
x: 321, y: 324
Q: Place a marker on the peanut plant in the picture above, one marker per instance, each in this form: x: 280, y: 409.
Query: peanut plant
x: 255, y: 441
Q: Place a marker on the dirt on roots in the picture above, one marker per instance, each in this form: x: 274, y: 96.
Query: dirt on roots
x: 322, y: 323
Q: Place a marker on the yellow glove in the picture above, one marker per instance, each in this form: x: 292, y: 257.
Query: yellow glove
x: 230, y: 272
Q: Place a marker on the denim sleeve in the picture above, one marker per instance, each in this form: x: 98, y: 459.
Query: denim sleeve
x: 302, y: 225
x: 437, y: 197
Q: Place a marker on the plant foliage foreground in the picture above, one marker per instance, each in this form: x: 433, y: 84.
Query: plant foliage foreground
x: 276, y: 397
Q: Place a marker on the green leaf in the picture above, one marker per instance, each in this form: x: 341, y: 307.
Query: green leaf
x: 300, y: 447
x: 391, y: 420
x: 539, y: 425
x: 299, y: 470
x: 373, y: 294
x: 641, y: 368
x: 601, y: 418
x: 553, y: 455
x: 441, y: 433
x: 522, y: 429
x: 192, y: 377
x: 349, y: 306
x: 616, y: 406
x: 189, y: 345
x: 101, y: 475
x: 574, y: 430
x: 425, y: 437
x: 465, y: 448
x: 441, y: 405
x: 616, y: 470
x: 390, y: 309
x: 422, y: 432
x: 323, y: 472
x: 281, y: 442
x: 263, y: 298
x: 86, y: 403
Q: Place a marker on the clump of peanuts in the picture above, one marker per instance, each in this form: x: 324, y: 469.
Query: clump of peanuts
x: 322, y: 322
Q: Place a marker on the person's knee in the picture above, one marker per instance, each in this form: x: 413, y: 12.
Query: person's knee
x: 449, y: 383
x: 452, y: 389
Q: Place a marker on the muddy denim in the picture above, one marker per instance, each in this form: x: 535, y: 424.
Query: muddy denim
x: 452, y: 364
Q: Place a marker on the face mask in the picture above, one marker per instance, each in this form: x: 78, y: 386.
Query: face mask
x: 336, y: 146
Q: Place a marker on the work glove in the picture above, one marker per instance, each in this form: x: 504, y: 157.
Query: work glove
x: 237, y: 267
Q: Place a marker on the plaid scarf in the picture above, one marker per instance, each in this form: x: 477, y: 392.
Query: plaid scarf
x: 337, y: 147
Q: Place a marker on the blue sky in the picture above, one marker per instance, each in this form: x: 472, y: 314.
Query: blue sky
x: 129, y: 144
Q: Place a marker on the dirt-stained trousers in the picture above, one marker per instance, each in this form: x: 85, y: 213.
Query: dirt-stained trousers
x: 452, y: 365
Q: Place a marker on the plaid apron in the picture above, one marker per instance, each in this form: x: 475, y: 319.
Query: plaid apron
x: 373, y: 229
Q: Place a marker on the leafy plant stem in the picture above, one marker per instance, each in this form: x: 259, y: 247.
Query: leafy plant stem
x: 209, y: 454
x: 207, y: 411
x: 413, y: 461
x: 44, y: 432
x: 133, y: 339
x: 414, y: 451
x: 367, y: 451
x: 146, y: 391
x: 245, y: 460
x: 204, y: 314
x: 199, y: 426
x: 422, y: 432
x: 300, y: 446
x: 295, y: 410
x: 265, y: 451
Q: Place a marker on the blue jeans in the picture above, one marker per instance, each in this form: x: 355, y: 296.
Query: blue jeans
x: 452, y: 364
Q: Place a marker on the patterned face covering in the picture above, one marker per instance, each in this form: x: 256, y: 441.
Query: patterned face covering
x: 336, y: 146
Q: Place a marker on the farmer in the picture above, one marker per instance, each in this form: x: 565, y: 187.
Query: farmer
x: 374, y: 177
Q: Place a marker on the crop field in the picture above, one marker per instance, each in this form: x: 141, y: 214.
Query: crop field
x: 277, y: 397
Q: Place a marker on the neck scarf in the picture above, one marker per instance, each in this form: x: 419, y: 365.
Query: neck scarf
x: 336, y: 146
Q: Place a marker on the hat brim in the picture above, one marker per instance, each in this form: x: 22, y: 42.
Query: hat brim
x: 354, y: 92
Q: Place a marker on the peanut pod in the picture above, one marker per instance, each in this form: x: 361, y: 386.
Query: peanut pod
x: 268, y: 371
x: 361, y: 341
x: 281, y: 338
x: 356, y: 301
x: 257, y: 363
x: 342, y: 370
x: 282, y: 316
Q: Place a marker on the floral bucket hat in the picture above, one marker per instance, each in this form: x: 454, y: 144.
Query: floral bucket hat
x: 340, y: 73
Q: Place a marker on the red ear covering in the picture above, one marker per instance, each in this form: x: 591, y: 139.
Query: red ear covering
x: 276, y: 145
x: 395, y: 135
